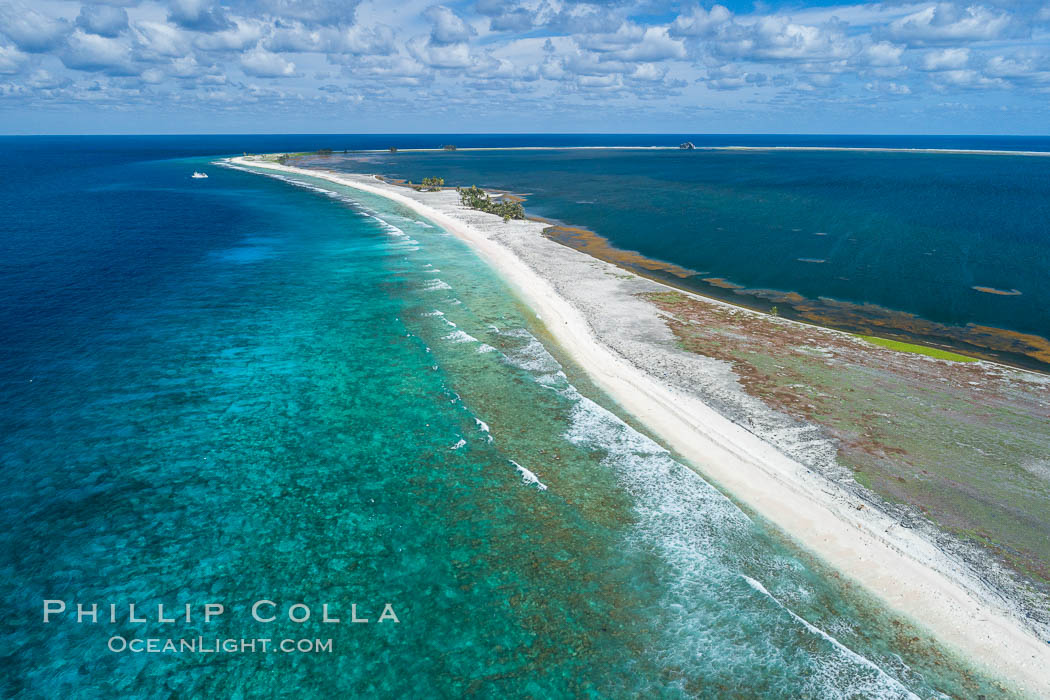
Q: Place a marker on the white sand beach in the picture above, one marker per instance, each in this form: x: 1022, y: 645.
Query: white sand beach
x: 592, y: 310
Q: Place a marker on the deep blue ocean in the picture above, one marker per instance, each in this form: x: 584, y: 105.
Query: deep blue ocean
x: 245, y: 388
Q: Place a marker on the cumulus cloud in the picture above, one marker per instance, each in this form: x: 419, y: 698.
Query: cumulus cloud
x: 381, y: 73
x: 11, y: 60
x: 312, y: 12
x: 945, y: 59
x: 261, y: 63
x: 447, y: 26
x: 700, y: 22
x: 355, y: 40
x: 1024, y: 70
x: 968, y: 79
x: 648, y: 73
x: 881, y: 54
x: 41, y: 79
x: 507, y: 16
x: 104, y: 20
x: 953, y: 23
x: 156, y: 41
x: 242, y: 35
x: 516, y: 20
x: 30, y: 30
x: 631, y: 42
x: 777, y: 38
x: 440, y: 55
x: 199, y: 15
x: 91, y: 52
x: 889, y: 88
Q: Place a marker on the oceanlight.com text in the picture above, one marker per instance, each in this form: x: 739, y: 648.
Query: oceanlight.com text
x: 201, y: 645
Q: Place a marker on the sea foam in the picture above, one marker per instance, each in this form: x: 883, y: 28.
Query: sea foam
x: 528, y: 477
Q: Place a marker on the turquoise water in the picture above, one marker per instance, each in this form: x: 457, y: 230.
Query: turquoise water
x: 241, y: 388
x: 911, y: 233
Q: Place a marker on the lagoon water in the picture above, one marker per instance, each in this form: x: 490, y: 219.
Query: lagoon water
x: 248, y: 388
x: 952, y: 238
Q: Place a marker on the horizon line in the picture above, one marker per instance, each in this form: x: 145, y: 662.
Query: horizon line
x: 526, y: 133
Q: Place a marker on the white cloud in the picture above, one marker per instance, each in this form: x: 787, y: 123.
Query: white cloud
x: 890, y: 88
x: 11, y: 60
x: 263, y: 64
x: 881, y: 54
x: 945, y: 59
x: 649, y: 73
x: 372, y: 41
x: 91, y: 52
x: 701, y: 22
x: 159, y: 40
x: 634, y: 43
x: 967, y: 78
x: 1019, y: 70
x: 32, y: 31
x: 447, y: 26
x: 443, y: 56
x: 356, y: 40
x: 242, y: 35
x: 314, y: 12
x: 386, y: 72
x: 40, y: 79
x: 199, y: 15
x: 599, y: 82
x: 104, y: 20
x: 779, y: 39
x: 949, y: 23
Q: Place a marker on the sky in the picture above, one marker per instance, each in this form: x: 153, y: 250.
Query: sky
x: 496, y: 66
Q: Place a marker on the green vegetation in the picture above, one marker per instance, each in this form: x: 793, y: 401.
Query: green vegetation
x: 393, y: 149
x: 919, y: 349
x: 476, y: 198
x: 431, y: 184
x: 449, y: 147
x: 283, y: 158
x: 324, y: 151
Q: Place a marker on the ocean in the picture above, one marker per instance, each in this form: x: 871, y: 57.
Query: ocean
x: 247, y: 388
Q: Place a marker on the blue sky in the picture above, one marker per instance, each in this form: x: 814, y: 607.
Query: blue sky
x: 222, y: 66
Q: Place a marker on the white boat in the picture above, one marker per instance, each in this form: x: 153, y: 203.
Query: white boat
x: 199, y: 175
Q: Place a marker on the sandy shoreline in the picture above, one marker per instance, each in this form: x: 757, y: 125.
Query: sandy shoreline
x: 896, y: 564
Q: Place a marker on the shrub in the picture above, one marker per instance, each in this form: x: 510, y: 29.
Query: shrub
x: 476, y: 198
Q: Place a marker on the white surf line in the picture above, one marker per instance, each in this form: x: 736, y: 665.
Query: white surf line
x: 854, y: 656
x: 483, y: 427
x: 896, y: 564
x: 528, y: 477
